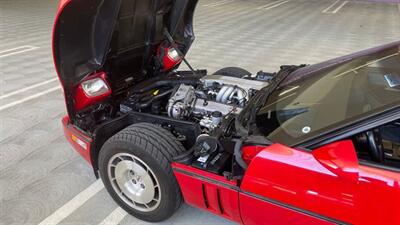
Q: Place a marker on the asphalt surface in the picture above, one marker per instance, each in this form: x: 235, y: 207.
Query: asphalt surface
x: 43, y: 180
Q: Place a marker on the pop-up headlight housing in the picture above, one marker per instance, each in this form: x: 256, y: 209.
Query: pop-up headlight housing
x: 95, y: 87
x: 169, y: 57
x: 92, y: 90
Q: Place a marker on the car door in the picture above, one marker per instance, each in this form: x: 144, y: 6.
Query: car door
x: 379, y: 195
x: 283, y: 185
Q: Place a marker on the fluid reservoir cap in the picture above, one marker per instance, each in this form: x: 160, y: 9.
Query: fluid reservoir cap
x: 216, y: 117
x: 216, y: 114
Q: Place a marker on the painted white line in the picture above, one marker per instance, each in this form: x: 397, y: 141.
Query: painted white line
x: 9, y: 105
x: 327, y: 9
x: 269, y: 4
x: 13, y: 49
x: 17, y: 50
x: 115, y: 217
x: 223, y: 2
x: 73, y: 204
x: 341, y: 6
x: 27, y: 88
x: 276, y: 5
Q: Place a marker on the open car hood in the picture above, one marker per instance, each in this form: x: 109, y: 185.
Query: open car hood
x: 117, y: 35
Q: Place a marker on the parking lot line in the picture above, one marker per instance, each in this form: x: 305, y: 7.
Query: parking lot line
x: 28, y: 88
x: 341, y: 6
x: 327, y: 9
x: 9, y: 105
x: 115, y: 217
x: 73, y: 204
x: 276, y: 5
x: 272, y: 4
x: 223, y: 2
x: 17, y: 50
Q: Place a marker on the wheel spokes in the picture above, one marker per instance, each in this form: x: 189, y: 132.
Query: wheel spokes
x: 134, y: 182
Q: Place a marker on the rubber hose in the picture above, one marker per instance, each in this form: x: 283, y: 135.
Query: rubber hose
x: 165, y: 82
x: 148, y: 103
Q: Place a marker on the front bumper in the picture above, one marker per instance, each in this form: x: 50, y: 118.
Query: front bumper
x: 79, y: 141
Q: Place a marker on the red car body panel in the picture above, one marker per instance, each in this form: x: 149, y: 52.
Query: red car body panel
x: 78, y: 140
x: 378, y: 196
x: 208, y: 191
x: 295, y: 178
x: 305, y: 181
x: 258, y: 212
x: 61, y: 5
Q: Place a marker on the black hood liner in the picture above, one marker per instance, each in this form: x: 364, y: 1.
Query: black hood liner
x: 120, y: 35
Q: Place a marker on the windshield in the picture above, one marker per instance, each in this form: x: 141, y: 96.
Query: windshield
x: 332, y: 98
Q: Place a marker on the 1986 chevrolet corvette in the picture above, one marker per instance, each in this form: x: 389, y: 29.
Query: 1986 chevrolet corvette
x: 309, y: 144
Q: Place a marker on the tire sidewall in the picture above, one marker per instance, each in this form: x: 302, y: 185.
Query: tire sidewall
x: 166, y: 182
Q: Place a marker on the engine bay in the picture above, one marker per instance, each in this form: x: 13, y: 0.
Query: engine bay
x: 198, y: 109
x: 211, y: 102
x: 205, y: 100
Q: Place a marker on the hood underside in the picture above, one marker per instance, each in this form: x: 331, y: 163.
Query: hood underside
x: 119, y: 36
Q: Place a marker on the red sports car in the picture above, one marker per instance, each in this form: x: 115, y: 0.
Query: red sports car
x: 306, y: 145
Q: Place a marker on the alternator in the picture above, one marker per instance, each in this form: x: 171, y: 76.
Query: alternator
x: 181, y: 101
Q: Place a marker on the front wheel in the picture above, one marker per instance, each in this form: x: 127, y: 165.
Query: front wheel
x: 135, y: 168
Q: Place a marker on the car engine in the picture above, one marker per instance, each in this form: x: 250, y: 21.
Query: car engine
x: 205, y: 99
x: 215, y: 97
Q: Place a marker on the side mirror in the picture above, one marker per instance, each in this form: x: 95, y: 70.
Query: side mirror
x: 340, y: 158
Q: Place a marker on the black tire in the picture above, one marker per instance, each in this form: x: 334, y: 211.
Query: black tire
x: 233, y: 72
x: 155, y: 147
